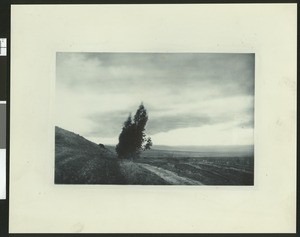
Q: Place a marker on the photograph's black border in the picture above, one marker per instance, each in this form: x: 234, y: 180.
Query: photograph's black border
x: 5, y: 24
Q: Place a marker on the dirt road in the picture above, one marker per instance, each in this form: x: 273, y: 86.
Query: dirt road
x: 168, y: 176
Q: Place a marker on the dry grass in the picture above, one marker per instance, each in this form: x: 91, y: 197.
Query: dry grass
x: 79, y: 161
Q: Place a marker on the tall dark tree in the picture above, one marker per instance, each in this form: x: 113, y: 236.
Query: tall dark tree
x: 126, y: 139
x: 132, y: 139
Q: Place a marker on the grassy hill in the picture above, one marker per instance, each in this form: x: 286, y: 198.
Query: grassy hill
x: 80, y: 161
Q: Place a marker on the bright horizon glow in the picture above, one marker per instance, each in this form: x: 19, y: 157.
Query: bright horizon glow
x: 206, y: 136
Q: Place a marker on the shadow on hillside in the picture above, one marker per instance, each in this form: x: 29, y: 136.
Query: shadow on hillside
x: 79, y: 161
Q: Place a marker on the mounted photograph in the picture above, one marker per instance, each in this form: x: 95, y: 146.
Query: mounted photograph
x: 154, y: 118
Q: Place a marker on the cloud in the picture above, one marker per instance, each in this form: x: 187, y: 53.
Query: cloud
x: 225, y: 74
x: 207, y: 135
x: 168, y: 123
x: 247, y: 124
x: 95, y: 92
x: 109, y: 124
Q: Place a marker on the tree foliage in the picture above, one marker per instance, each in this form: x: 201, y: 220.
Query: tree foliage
x: 132, y: 139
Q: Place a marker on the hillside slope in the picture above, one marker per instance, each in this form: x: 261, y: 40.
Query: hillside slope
x: 79, y: 161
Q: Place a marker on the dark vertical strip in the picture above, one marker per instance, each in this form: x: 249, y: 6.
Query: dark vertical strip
x: 4, y: 218
x: 4, y: 33
x: 297, y: 138
x: 4, y: 18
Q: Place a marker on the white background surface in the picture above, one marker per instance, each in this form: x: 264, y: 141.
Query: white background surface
x: 2, y: 173
x: 38, y: 32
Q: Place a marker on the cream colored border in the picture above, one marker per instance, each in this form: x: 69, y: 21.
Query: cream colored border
x: 39, y: 31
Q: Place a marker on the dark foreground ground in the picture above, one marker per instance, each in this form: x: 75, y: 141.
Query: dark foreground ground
x: 79, y: 161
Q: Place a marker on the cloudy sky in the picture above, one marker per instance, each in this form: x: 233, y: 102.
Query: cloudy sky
x: 191, y: 98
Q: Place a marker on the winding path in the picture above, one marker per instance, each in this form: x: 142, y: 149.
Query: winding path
x: 169, y: 176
